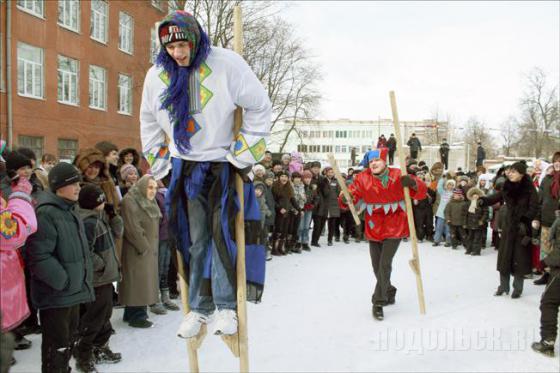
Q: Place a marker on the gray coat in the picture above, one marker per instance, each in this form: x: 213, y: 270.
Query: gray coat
x: 332, y: 198
x: 140, y: 279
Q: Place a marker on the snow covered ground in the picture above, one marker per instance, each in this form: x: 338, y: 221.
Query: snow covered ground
x: 316, y: 316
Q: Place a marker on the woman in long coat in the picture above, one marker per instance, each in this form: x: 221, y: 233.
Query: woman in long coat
x: 514, y: 253
x: 140, y: 283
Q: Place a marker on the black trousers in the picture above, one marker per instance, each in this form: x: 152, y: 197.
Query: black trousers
x: 172, y: 272
x: 318, y: 225
x: 550, y: 302
x: 445, y: 161
x: 382, y: 254
x: 414, y: 154
x: 473, y: 242
x: 95, y: 322
x: 347, y: 223
x: 281, y: 226
x: 391, y: 156
x: 60, y: 328
x: 334, y: 229
x: 457, y: 235
x: 423, y: 221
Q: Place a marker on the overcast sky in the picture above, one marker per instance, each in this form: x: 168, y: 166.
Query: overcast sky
x: 465, y: 58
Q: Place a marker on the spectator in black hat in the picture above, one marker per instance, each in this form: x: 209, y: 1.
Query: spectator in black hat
x: 59, y: 259
x: 95, y: 321
x: 415, y: 146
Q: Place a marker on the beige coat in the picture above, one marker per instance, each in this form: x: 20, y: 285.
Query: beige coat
x: 140, y: 281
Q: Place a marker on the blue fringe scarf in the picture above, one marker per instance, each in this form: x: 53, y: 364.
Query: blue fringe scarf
x: 175, y: 99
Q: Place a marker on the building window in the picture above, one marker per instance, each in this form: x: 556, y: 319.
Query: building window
x: 30, y: 70
x: 67, y: 149
x: 126, y: 32
x: 302, y: 148
x: 34, y: 143
x: 314, y: 148
x: 327, y: 148
x: 125, y: 94
x: 99, y: 20
x: 340, y: 134
x: 97, y: 88
x: 67, y: 80
x: 157, y: 4
x: 154, y: 45
x: 69, y: 14
x: 343, y: 149
x: 35, y: 7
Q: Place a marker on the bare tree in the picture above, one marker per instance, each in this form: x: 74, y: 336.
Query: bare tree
x: 540, y: 115
x: 510, y: 135
x: 476, y: 131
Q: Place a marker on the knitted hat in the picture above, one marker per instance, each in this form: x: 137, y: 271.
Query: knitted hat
x: 520, y: 167
x: 380, y: 153
x: 63, y: 174
x: 91, y: 196
x: 126, y: 170
x: 15, y: 160
x: 458, y: 192
x: 180, y: 26
x: 106, y: 147
x: 258, y: 167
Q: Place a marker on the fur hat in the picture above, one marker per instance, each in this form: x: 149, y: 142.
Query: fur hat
x: 520, y: 167
x: 15, y: 160
x: 91, y: 196
x: 88, y: 156
x: 473, y: 191
x: 450, y: 182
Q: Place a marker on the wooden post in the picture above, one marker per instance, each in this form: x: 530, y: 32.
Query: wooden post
x: 194, y: 343
x: 243, y: 342
x: 342, y: 184
x: 415, y: 261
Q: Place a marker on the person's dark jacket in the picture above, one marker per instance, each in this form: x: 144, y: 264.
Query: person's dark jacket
x: 477, y: 220
x: 414, y: 144
x: 547, y: 203
x: 456, y: 213
x: 311, y: 198
x: 164, y: 222
x: 321, y: 185
x: 521, y: 202
x: 480, y: 155
x: 332, y: 198
x: 271, y: 204
x: 552, y: 260
x: 58, y: 256
x: 102, y: 246
x: 392, y: 144
x: 444, y: 150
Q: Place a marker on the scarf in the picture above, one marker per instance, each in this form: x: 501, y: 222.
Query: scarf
x: 181, y: 98
x: 139, y: 191
x: 383, y: 177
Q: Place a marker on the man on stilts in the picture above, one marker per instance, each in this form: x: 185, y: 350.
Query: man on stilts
x: 380, y: 188
x: 189, y: 97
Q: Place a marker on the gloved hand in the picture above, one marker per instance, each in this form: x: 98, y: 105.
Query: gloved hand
x: 22, y: 185
x: 408, y: 181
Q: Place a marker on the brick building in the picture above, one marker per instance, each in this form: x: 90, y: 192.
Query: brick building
x: 77, y: 70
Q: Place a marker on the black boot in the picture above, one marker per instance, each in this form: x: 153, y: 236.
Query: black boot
x: 275, y: 248
x: 104, y: 355
x: 85, y: 364
x: 516, y: 294
x: 377, y: 312
x: 543, y: 280
x: 315, y: 244
x: 305, y: 247
x: 500, y: 292
x: 544, y: 347
x: 22, y: 343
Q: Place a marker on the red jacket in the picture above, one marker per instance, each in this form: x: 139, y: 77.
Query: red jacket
x: 385, y: 213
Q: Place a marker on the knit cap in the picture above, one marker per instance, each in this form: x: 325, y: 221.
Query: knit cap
x: 126, y: 170
x: 63, y: 174
x: 91, y: 196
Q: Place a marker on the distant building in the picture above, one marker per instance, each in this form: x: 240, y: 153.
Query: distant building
x: 316, y: 138
x: 77, y: 70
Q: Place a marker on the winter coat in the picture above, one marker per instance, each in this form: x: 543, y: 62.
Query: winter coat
x: 140, y: 279
x: 547, y: 203
x: 478, y: 218
x: 284, y: 197
x: 414, y: 144
x: 552, y: 260
x: 164, y: 222
x: 17, y: 222
x: 385, y: 214
x: 381, y: 143
x: 102, y: 245
x: 271, y: 205
x: 392, y: 144
x: 521, y: 203
x: 444, y: 150
x: 456, y: 212
x: 480, y: 156
x: 444, y: 196
x: 332, y: 198
x: 320, y: 185
x: 58, y: 256
x: 311, y: 198
x: 299, y: 195
x: 265, y: 211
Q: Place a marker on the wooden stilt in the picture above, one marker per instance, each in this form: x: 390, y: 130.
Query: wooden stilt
x: 342, y: 184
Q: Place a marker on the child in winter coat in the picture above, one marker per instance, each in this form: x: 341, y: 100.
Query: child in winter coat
x: 310, y: 201
x: 299, y: 195
x: 260, y: 191
x: 476, y: 222
x: 445, y: 191
x: 269, y: 197
x: 456, y: 218
x: 550, y: 300
x: 95, y: 321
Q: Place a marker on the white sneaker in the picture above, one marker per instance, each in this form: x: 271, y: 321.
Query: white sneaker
x: 226, y: 322
x: 190, y: 326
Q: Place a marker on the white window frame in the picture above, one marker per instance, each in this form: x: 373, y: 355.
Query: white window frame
x: 97, y: 89
x: 29, y: 6
x: 31, y: 67
x: 70, y: 8
x: 96, y: 18
x: 126, y: 33
x: 125, y: 89
x: 154, y: 45
x: 68, y: 80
